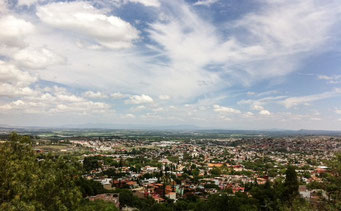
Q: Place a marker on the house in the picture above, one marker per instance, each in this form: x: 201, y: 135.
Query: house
x: 150, y: 180
x: 132, y: 184
x: 106, y: 183
x: 157, y: 198
x: 171, y: 195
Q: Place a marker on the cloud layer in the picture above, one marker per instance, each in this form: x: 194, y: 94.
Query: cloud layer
x: 170, y: 62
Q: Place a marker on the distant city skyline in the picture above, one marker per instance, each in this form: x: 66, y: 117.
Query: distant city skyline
x: 257, y: 64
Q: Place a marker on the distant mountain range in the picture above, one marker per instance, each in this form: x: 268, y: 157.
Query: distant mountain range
x: 174, y: 128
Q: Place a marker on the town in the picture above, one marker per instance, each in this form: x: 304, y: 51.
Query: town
x: 172, y: 168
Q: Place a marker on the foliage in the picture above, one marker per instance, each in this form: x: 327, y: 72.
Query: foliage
x: 215, y: 171
x: 290, y: 185
x: 97, y: 205
x: 30, y: 181
x: 332, y: 183
x: 31, y: 184
x: 90, y: 187
x: 91, y: 163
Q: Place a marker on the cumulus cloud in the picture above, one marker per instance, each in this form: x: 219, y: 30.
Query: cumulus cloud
x: 11, y: 74
x: 14, y: 82
x: 84, y: 19
x: 138, y: 108
x: 117, y: 95
x: 98, y: 95
x: 10, y: 90
x: 257, y: 107
x: 264, y: 112
x: 16, y: 30
x: 139, y: 99
x: 84, y: 107
x: 225, y: 110
x: 248, y: 114
x: 130, y: 116
x: 39, y: 58
x: 55, y: 100
x: 266, y: 42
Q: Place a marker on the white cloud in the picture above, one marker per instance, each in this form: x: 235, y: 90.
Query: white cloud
x: 138, y: 108
x: 85, y: 20
x: 84, y: 107
x: 147, y: 3
x: 130, y: 116
x: 205, y: 2
x: 270, y: 92
x: 16, y: 30
x: 3, y: 6
x: 281, y: 29
x: 139, y: 99
x: 117, y: 95
x: 69, y: 98
x: 258, y: 104
x: 225, y: 110
x: 14, y: 82
x: 10, y: 90
x: 248, y: 114
x: 264, y: 44
x: 184, y: 40
x: 55, y: 100
x: 158, y: 109
x: 268, y: 42
x: 338, y: 111
x: 98, y: 95
x: 37, y: 58
x: 285, y: 25
x: 295, y: 101
x: 257, y: 107
x: 16, y: 47
x: 335, y: 79
x: 12, y: 75
x: 164, y: 97
x: 265, y: 112
x: 27, y: 2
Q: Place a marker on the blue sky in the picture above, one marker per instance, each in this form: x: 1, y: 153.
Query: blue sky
x: 256, y: 64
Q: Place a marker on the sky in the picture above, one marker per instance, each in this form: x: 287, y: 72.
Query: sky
x: 224, y: 64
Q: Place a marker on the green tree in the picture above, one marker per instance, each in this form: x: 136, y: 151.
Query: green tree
x: 332, y: 183
x: 97, y: 205
x: 27, y: 183
x: 90, y: 163
x: 90, y: 187
x: 215, y: 171
x: 290, y: 185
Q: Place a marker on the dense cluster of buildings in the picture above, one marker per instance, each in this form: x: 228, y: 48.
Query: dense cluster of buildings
x: 169, y: 170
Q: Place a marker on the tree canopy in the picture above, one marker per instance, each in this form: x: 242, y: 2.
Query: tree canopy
x: 31, y: 183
